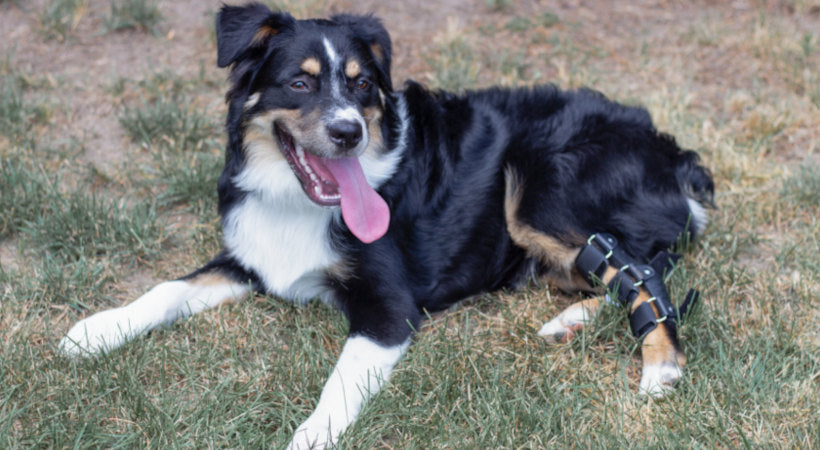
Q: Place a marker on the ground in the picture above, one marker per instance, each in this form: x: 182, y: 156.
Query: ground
x: 110, y: 139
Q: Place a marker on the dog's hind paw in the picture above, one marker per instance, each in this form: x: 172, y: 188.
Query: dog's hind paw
x: 556, y: 331
x: 569, y: 322
x: 659, y: 380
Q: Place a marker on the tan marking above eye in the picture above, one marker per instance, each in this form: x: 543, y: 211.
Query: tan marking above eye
x: 352, y: 68
x: 311, y: 66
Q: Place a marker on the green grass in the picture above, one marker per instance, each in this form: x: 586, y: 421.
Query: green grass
x: 454, y: 65
x: 803, y: 187
x: 25, y: 194
x: 134, y: 14
x: 17, y: 115
x: 59, y: 18
x: 167, y: 124
x: 83, y: 225
x: 187, y: 158
x: 77, y: 236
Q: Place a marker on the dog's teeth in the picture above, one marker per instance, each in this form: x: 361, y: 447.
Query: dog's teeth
x: 300, y: 154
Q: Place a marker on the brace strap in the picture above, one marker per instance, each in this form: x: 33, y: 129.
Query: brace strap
x: 602, y: 251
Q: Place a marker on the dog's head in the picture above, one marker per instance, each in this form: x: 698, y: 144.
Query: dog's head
x: 311, y: 93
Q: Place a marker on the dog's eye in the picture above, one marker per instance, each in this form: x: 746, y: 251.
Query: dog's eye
x: 299, y: 86
x: 363, y: 84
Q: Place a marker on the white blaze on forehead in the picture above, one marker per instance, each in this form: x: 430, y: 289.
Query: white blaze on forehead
x: 335, y: 64
x: 332, y: 56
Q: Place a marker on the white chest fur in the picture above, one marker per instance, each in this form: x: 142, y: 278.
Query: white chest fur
x: 288, y: 247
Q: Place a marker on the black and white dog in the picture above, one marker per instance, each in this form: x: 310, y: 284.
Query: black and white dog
x: 388, y: 203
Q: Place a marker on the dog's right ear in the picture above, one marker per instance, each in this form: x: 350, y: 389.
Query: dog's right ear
x: 242, y: 29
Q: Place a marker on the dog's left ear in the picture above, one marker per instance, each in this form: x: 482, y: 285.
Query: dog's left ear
x: 377, y: 40
x: 242, y: 30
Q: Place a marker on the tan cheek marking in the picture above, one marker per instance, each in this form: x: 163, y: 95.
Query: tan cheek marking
x: 309, y: 131
x: 372, y: 113
x: 352, y: 69
x: 311, y: 66
x: 259, y: 143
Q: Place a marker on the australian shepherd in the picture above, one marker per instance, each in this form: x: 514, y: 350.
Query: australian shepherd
x: 391, y: 203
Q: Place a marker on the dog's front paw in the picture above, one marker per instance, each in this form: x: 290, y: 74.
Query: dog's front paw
x: 102, y: 332
x: 313, y: 434
x: 659, y: 380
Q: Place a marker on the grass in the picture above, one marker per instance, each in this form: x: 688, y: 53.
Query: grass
x: 25, y: 193
x: 134, y: 14
x: 60, y: 17
x: 78, y: 236
x: 17, y: 116
x: 187, y: 159
x: 454, y: 65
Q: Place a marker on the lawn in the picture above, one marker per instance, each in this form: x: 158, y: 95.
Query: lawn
x: 111, y: 144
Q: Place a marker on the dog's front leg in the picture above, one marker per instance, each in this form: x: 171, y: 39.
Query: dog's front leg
x: 363, y: 368
x: 162, y: 305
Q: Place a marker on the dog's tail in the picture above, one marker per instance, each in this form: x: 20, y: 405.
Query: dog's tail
x: 695, y: 179
x: 697, y: 183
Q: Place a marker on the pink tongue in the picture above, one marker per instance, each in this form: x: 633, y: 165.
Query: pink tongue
x: 363, y: 210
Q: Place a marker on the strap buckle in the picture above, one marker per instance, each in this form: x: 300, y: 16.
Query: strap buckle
x: 602, y: 252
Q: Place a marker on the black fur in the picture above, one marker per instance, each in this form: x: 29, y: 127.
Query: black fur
x: 588, y: 164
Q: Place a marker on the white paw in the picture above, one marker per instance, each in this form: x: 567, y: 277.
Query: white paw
x: 565, y: 325
x: 554, y: 331
x: 314, y: 434
x: 659, y: 380
x: 102, y: 332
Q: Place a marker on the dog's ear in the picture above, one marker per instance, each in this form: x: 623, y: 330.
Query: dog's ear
x: 377, y: 40
x: 241, y: 29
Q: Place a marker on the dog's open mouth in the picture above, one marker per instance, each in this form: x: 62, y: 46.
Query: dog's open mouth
x: 338, y: 181
x: 318, y: 182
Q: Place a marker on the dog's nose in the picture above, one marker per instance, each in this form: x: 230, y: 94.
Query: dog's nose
x: 345, y: 134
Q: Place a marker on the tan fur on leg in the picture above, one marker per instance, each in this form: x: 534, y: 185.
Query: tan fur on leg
x: 662, y: 361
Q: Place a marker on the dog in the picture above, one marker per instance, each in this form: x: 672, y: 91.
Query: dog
x: 389, y: 204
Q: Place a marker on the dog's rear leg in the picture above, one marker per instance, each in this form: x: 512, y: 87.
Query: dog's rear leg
x: 663, y: 359
x: 162, y: 305
x: 558, y: 256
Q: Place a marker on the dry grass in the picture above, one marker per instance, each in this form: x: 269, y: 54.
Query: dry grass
x: 99, y: 213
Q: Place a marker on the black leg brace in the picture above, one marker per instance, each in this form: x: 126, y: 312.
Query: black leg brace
x: 602, y: 251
